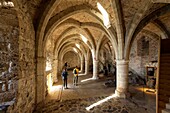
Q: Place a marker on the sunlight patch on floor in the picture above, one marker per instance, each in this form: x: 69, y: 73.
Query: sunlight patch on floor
x: 146, y: 90
x: 55, y: 88
x: 100, y: 102
x: 87, y: 79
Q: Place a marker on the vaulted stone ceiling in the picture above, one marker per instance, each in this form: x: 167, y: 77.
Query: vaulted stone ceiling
x: 165, y: 21
x: 57, y: 28
x: 78, y: 14
x: 129, y: 7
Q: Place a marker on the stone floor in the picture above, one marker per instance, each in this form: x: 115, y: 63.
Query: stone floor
x: 92, y: 96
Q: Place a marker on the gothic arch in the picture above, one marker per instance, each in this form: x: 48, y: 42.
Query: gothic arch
x: 55, y: 21
x: 154, y: 15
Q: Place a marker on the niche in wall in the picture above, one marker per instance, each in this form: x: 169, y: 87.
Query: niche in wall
x: 144, y: 49
x: 143, y: 46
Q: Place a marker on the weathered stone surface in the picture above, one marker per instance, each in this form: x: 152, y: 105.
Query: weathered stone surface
x: 114, y: 106
x: 19, y: 49
x: 9, y: 34
x: 137, y: 63
x: 17, y: 58
x: 72, y: 59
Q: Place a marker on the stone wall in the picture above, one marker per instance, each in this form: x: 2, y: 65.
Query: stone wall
x: 105, y: 58
x: 24, y: 55
x: 72, y: 59
x: 9, y: 33
x: 139, y: 56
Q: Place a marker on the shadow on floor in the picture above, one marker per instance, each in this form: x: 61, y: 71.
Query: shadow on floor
x: 93, y: 96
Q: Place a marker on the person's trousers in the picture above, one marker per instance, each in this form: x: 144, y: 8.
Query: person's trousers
x: 75, y: 80
x: 65, y: 82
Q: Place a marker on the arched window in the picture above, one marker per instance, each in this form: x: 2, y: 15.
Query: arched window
x: 106, y: 20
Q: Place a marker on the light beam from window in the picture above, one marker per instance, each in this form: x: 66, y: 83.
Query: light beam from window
x: 88, y: 79
x: 77, y: 45
x: 100, y: 102
x: 75, y: 50
x: 84, y: 38
x: 105, y: 15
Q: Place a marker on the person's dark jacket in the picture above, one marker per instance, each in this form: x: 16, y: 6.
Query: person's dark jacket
x: 64, y: 74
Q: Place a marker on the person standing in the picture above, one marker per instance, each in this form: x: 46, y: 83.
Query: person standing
x: 64, y: 77
x: 75, y: 79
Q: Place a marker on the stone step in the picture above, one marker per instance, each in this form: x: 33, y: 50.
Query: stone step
x: 166, y: 111
x: 168, y: 106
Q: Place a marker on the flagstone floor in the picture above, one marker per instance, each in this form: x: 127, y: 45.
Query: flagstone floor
x: 92, y: 96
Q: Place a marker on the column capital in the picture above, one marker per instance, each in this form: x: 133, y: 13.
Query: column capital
x: 96, y: 60
x: 122, y: 62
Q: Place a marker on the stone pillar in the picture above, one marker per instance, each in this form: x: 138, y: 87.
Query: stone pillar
x: 55, y: 70
x: 86, y: 67
x: 95, y: 69
x: 82, y: 65
x: 122, y: 78
x: 41, y: 80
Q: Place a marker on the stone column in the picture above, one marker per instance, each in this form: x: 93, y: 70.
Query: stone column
x: 122, y: 78
x: 86, y: 67
x: 40, y: 80
x: 95, y: 69
x: 55, y: 70
x: 82, y: 65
